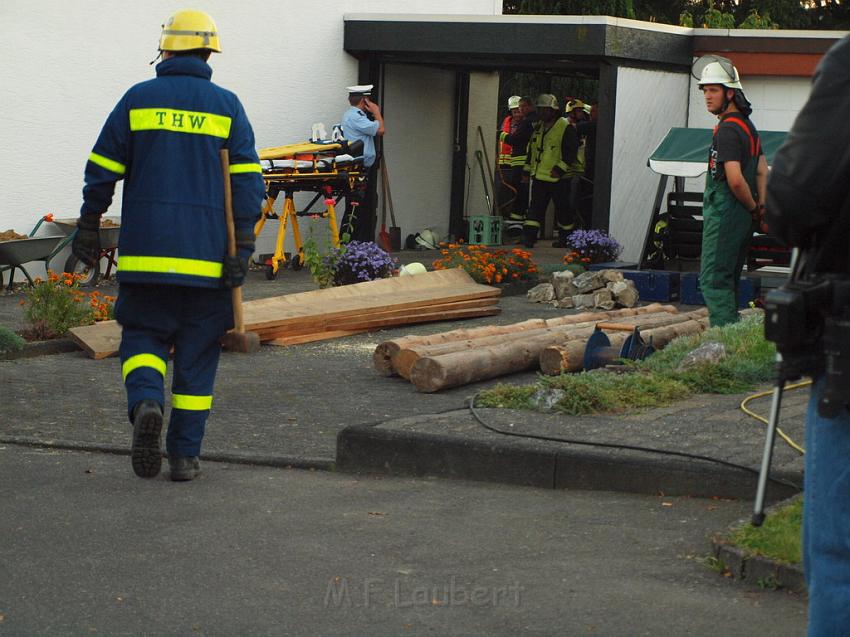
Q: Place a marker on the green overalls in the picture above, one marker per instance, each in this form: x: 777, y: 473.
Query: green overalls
x: 726, y: 234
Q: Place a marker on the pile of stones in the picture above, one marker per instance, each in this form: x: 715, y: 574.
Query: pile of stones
x: 605, y: 290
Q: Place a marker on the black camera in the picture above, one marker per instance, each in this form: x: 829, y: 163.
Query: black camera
x: 809, y: 320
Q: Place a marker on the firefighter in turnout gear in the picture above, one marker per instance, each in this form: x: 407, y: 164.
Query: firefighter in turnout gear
x: 735, y: 190
x: 551, y: 163
x: 163, y: 139
x: 518, y: 141
x: 506, y: 186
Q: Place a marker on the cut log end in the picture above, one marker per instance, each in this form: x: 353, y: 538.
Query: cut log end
x: 382, y: 358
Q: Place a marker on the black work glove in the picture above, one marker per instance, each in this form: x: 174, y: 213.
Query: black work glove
x: 86, y: 245
x: 235, y: 269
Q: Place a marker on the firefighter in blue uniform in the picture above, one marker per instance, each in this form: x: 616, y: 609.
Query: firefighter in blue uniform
x: 163, y: 139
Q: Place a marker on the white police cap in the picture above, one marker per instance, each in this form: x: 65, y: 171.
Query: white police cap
x: 362, y: 89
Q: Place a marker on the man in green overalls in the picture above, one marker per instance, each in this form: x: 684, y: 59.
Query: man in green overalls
x: 735, y: 190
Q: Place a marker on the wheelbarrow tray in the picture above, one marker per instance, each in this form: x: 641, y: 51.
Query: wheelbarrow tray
x: 19, y: 251
x: 108, y: 235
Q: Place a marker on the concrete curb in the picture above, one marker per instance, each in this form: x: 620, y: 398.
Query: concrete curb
x: 42, y: 348
x: 373, y: 449
x: 230, y: 457
x: 757, y: 569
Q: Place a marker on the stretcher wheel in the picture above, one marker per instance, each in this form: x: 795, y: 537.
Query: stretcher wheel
x: 297, y: 262
x: 269, y: 272
x: 89, y: 274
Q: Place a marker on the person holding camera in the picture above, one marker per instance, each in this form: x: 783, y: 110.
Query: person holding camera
x: 363, y: 122
x: 808, y: 207
x: 735, y: 187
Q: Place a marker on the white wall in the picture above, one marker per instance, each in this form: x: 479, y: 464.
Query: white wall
x: 63, y: 72
x: 484, y: 111
x: 649, y: 103
x: 776, y: 102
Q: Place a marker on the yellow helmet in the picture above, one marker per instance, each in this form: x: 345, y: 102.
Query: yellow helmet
x: 187, y: 30
x: 574, y: 104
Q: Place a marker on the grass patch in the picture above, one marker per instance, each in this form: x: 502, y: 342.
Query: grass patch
x: 779, y: 538
x: 655, y: 382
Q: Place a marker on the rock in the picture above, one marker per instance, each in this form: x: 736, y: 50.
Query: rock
x: 625, y: 293
x: 589, y: 281
x: 565, y: 303
x: 710, y: 352
x: 603, y: 299
x: 563, y: 284
x: 612, y: 276
x: 542, y: 293
x: 583, y: 301
x: 545, y: 399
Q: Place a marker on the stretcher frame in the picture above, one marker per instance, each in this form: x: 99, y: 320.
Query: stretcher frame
x: 330, y: 180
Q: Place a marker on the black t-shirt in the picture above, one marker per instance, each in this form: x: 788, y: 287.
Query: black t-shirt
x: 732, y: 143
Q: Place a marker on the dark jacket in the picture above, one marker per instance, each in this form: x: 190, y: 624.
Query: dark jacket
x: 163, y: 138
x: 808, y: 191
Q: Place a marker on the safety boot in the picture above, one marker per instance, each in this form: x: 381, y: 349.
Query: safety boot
x: 184, y: 468
x: 529, y: 236
x: 147, y: 425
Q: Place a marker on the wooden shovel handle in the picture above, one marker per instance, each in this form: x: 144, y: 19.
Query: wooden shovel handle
x: 618, y: 327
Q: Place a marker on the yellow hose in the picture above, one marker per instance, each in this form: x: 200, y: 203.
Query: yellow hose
x: 781, y: 433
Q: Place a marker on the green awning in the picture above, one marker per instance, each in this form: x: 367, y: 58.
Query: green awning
x: 684, y: 151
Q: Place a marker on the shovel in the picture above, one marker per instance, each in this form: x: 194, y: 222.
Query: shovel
x: 384, y: 239
x: 395, y: 230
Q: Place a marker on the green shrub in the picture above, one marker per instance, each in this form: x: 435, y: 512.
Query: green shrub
x: 55, y: 306
x: 9, y: 341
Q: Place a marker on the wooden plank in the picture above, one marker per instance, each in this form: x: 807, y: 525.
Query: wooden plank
x: 372, y: 325
x: 290, y: 150
x: 100, y: 340
x: 317, y: 324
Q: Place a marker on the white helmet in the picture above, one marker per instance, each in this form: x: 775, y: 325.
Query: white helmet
x: 546, y: 100
x: 428, y: 239
x: 412, y: 268
x: 720, y: 73
x: 513, y: 102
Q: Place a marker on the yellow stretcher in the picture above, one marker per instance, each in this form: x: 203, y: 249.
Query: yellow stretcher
x: 331, y: 170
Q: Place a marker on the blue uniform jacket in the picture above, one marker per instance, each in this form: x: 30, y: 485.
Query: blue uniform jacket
x: 163, y: 138
x: 356, y: 126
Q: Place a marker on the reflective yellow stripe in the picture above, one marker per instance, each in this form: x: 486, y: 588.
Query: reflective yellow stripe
x: 109, y: 164
x: 530, y: 223
x: 142, y: 360
x: 171, y: 119
x: 191, y: 403
x: 170, y: 265
x: 236, y: 169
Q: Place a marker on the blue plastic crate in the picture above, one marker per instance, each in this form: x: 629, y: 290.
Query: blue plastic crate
x: 612, y: 265
x: 655, y: 285
x: 748, y: 290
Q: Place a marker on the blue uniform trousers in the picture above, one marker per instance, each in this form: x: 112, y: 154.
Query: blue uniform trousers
x: 826, y: 520
x: 155, y: 319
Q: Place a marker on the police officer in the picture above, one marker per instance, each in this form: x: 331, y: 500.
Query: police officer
x: 363, y: 122
x: 735, y: 188
x: 551, y: 162
x: 808, y: 205
x: 163, y: 139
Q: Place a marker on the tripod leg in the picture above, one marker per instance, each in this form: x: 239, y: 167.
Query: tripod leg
x: 767, y: 456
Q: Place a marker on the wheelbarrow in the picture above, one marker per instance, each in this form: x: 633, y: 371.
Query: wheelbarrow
x: 14, y: 254
x: 108, y: 250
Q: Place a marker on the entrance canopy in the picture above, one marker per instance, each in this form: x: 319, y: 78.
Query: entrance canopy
x: 684, y: 151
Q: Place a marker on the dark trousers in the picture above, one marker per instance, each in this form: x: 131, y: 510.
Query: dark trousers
x: 155, y: 319
x: 521, y: 181
x: 542, y: 192
x: 360, y: 209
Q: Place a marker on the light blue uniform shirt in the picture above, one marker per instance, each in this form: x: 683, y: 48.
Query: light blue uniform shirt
x: 357, y: 127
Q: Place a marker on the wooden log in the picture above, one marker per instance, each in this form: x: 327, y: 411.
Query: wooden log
x: 430, y: 374
x: 569, y: 357
x: 405, y: 359
x: 385, y: 352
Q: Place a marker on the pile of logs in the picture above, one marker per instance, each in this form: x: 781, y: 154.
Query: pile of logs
x: 605, y: 289
x: 460, y: 357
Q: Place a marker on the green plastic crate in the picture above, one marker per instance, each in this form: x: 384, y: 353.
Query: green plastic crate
x: 485, y: 230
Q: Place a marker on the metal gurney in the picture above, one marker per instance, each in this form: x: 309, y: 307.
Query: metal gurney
x: 331, y: 171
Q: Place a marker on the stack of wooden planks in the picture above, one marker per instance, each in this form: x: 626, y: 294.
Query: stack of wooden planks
x: 334, y: 312
x: 460, y: 357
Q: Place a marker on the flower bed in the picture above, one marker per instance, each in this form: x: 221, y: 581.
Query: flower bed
x: 591, y: 246
x: 487, y: 265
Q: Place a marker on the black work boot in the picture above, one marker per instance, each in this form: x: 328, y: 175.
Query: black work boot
x: 147, y: 425
x: 529, y: 236
x: 184, y: 468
